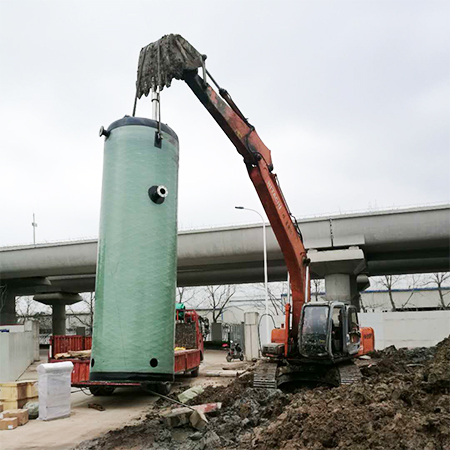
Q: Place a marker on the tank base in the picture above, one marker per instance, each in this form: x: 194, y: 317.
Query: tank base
x: 131, y: 377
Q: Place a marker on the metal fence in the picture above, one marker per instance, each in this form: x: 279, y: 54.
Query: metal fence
x: 234, y: 332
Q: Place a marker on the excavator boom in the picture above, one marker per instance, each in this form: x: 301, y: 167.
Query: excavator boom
x: 173, y: 57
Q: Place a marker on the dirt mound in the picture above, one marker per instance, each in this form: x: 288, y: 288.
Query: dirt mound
x: 437, y: 373
x: 363, y: 416
x: 253, y: 408
x: 402, y: 403
x: 392, y: 359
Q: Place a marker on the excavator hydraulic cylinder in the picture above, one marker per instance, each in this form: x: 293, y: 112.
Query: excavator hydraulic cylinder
x: 134, y: 320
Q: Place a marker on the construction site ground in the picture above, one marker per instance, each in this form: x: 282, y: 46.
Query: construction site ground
x: 401, y: 403
x: 126, y: 406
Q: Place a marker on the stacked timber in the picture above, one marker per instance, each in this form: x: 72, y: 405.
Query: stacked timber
x: 71, y: 354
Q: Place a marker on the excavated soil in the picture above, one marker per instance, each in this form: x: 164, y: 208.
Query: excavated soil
x: 402, y: 403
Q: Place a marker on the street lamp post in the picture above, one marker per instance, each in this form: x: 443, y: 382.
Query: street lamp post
x: 265, y: 267
x: 34, y: 225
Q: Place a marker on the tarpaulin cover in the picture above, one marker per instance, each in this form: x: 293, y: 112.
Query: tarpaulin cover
x: 163, y: 60
x: 136, y: 268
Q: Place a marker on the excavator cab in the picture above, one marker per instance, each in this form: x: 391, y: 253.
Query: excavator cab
x: 329, y: 330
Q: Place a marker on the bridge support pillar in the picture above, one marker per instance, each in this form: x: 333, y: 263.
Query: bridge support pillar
x: 340, y: 268
x: 7, y: 306
x: 59, y: 319
x: 58, y: 302
x: 342, y: 287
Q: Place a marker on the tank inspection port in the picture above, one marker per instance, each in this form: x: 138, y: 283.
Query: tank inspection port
x: 158, y: 194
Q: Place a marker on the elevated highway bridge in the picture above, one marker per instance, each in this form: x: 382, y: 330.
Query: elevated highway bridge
x: 402, y: 241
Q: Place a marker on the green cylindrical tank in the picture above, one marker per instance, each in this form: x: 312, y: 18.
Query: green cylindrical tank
x: 134, y: 318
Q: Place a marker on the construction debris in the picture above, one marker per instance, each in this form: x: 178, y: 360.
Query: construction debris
x: 198, y: 420
x: 181, y: 416
x: 177, y: 417
x: 395, y: 406
x: 189, y: 394
x: 96, y: 406
x: 235, y: 366
x: 224, y: 373
x: 208, y: 407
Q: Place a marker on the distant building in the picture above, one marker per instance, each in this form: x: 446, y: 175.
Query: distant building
x: 421, y: 299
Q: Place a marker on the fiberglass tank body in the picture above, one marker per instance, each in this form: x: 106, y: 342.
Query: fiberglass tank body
x: 133, y: 336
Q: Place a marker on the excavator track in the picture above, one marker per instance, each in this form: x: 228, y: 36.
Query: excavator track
x: 265, y: 375
x: 349, y: 373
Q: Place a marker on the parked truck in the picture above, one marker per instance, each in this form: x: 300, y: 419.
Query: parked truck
x: 190, y: 331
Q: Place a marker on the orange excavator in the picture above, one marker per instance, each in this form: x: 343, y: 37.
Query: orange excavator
x: 319, y: 339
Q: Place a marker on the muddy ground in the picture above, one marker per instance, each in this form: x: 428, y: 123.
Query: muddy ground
x: 402, y: 403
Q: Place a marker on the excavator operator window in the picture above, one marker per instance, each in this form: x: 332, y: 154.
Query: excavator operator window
x: 314, y: 331
x: 352, y: 321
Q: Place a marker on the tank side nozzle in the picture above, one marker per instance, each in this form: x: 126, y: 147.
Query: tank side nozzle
x: 158, y: 194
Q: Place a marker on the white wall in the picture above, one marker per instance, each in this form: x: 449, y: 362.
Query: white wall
x: 410, y: 299
x: 16, y: 354
x: 33, y: 326
x: 13, y: 328
x: 407, y: 329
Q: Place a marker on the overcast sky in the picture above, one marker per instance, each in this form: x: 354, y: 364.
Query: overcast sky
x: 351, y: 97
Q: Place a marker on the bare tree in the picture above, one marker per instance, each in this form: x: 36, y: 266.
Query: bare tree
x: 440, y: 280
x: 85, y: 315
x: 218, y: 298
x: 186, y: 295
x: 414, y: 282
x: 362, y: 307
x: 276, y: 294
x: 389, y: 281
x: 318, y: 288
x: 372, y: 302
x: 27, y: 308
x: 278, y: 297
x: 3, y: 292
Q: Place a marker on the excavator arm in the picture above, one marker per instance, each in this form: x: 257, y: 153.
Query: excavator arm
x: 172, y: 57
x: 258, y: 160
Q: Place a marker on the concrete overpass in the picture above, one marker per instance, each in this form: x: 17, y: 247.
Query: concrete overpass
x: 413, y: 240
